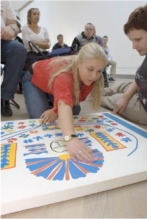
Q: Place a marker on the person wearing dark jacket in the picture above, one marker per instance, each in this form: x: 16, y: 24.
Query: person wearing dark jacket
x: 60, y: 43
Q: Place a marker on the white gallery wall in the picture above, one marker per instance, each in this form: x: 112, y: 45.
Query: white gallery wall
x: 70, y: 17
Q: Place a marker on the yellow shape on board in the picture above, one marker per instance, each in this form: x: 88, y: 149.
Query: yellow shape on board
x: 64, y: 156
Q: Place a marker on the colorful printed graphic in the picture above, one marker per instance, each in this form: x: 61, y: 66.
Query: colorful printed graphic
x: 44, y: 150
x: 35, y: 149
x: 63, y: 167
x: 8, y: 155
x: 108, y: 142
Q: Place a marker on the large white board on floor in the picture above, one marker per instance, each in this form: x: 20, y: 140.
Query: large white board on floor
x: 37, y: 170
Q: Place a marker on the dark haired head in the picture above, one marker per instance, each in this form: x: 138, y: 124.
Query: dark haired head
x: 59, y: 35
x: 137, y: 20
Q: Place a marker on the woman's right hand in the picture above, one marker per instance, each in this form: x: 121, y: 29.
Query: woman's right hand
x: 48, y: 116
x: 79, y: 150
x: 121, y: 105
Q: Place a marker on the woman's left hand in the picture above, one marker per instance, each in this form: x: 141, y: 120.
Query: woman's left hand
x: 48, y: 116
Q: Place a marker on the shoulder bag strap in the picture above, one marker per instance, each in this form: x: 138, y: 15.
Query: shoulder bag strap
x: 31, y: 45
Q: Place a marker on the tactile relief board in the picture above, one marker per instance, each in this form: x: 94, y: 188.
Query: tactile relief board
x: 37, y: 170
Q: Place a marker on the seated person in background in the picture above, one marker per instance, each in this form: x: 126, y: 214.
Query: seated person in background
x: 85, y: 37
x: 100, y: 42
x: 60, y: 43
x: 98, y: 38
x: 129, y: 99
x: 106, y: 83
x: 13, y: 55
x: 35, y: 33
x: 68, y: 80
x: 112, y: 63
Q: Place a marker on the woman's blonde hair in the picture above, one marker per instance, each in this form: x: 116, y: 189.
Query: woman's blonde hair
x: 66, y: 64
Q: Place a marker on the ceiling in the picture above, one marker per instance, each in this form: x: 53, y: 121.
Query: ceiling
x: 19, y: 5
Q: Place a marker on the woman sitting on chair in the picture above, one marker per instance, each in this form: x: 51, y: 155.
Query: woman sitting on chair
x: 35, y: 33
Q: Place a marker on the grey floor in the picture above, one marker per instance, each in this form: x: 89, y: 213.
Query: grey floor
x: 20, y: 114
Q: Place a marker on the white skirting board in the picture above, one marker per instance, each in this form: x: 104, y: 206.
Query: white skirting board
x: 37, y: 170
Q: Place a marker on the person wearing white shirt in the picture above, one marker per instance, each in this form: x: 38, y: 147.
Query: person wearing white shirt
x: 35, y: 33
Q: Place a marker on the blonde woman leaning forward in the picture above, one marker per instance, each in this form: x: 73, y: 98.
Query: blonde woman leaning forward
x: 67, y: 80
x: 130, y: 99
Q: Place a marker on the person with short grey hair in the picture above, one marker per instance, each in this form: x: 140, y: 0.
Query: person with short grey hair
x: 85, y: 37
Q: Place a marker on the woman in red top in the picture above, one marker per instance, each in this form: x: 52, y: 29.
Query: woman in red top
x: 54, y: 86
